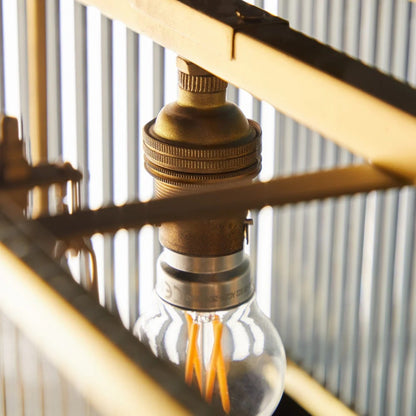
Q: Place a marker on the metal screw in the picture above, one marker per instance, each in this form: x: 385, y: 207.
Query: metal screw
x: 250, y: 14
x: 247, y: 222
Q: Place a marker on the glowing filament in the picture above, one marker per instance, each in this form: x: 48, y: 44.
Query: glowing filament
x: 192, y: 356
x: 216, y: 365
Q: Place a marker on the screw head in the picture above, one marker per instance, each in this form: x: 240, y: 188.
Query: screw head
x: 250, y: 14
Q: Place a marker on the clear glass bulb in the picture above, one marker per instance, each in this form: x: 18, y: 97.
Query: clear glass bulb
x: 235, y: 357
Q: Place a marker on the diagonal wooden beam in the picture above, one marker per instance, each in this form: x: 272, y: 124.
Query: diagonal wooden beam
x: 361, y: 109
x: 90, y: 347
x: 281, y: 191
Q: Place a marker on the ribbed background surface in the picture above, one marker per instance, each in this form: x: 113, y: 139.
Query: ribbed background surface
x: 343, y: 281
x: 341, y: 272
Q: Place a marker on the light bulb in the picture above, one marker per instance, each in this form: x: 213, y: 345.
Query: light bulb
x: 205, y: 320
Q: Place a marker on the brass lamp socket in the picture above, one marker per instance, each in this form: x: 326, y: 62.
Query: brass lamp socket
x: 201, y: 141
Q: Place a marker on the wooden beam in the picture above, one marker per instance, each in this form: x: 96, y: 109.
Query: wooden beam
x: 36, y: 50
x: 309, y: 394
x: 82, y: 340
x: 358, y: 107
x: 277, y: 192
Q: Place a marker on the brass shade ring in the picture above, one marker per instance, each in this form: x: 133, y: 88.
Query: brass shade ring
x: 241, y: 147
x: 183, y: 178
x: 194, y: 163
x: 201, y: 165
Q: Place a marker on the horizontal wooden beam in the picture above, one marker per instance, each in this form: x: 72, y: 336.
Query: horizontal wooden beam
x: 361, y: 109
x: 281, y: 191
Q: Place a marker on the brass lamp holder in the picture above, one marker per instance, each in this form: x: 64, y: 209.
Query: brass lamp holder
x: 197, y: 143
x: 201, y: 141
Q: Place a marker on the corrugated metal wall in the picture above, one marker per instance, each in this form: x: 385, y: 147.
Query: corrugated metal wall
x: 343, y: 294
x: 344, y: 283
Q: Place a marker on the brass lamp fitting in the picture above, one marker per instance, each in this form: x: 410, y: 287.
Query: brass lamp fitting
x: 197, y: 142
x: 13, y: 165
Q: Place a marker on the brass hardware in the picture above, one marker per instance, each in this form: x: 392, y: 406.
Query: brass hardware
x: 17, y: 177
x: 250, y: 14
x: 247, y: 222
x: 13, y: 166
x: 197, y: 142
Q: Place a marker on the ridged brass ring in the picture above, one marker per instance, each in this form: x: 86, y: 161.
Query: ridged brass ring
x: 201, y: 84
x: 182, y: 178
x: 239, y: 148
x: 185, y: 162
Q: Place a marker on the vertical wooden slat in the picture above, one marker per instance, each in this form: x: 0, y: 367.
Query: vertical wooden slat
x: 409, y: 402
x: 374, y: 210
x: 400, y: 48
x: 3, y: 407
x: 402, y: 284
x: 53, y: 387
x: 2, y: 98
x: 385, y: 35
x: 349, y: 350
x: 133, y: 167
x: 384, y: 284
x: 277, y: 302
x: 13, y: 383
x: 81, y: 96
x: 53, y: 79
x: 297, y: 160
x: 256, y: 116
x: 23, y: 74
x: 81, y: 114
x: 107, y: 157
x: 303, y: 234
x: 368, y: 296
x: 354, y: 253
x: 352, y: 27
x: 379, y: 382
x: 407, y: 265
x: 394, y: 357
x: 254, y: 215
x: 158, y: 103
x: 36, y: 37
x: 411, y: 68
x: 341, y: 220
x: 279, y: 253
x: 323, y: 233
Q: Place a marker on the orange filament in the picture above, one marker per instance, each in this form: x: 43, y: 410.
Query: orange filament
x: 216, y: 366
x: 222, y: 382
x: 192, y: 356
x: 217, y: 326
x: 198, y: 371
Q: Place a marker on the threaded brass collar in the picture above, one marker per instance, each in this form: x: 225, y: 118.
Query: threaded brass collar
x: 192, y: 78
x: 201, y: 84
x: 185, y: 163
